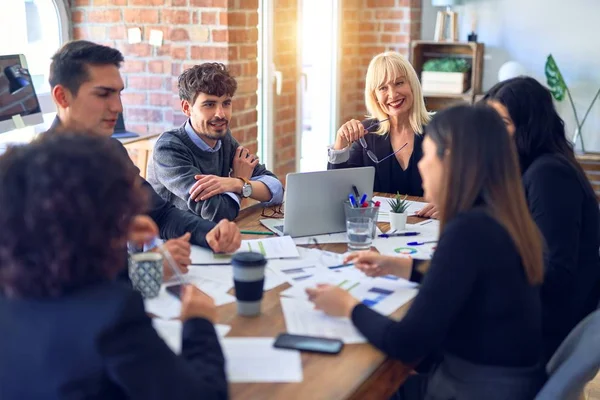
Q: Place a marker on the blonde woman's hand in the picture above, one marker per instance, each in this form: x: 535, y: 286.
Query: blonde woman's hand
x: 349, y: 133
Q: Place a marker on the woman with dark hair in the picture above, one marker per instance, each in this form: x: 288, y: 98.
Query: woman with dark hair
x: 562, y: 203
x: 478, y: 301
x: 68, y: 206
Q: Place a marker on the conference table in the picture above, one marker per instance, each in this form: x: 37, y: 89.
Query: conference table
x: 360, y: 371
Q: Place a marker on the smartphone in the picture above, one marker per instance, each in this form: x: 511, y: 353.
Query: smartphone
x: 175, y: 290
x: 308, y: 343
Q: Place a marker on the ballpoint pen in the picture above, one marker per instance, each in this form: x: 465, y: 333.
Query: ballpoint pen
x: 355, y: 190
x: 420, y: 243
x: 385, y: 235
x: 352, y: 200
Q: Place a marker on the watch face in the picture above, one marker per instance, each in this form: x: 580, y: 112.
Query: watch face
x: 246, y: 190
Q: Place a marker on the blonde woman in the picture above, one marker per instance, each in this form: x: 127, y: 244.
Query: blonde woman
x: 390, y: 139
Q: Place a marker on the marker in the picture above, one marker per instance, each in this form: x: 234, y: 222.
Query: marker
x: 355, y: 190
x: 385, y: 235
x: 363, y: 198
x: 352, y: 201
x: 257, y: 233
x: 420, y: 243
x: 377, y: 203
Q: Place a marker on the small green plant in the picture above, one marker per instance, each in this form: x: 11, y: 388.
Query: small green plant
x: 447, y: 65
x: 398, y: 204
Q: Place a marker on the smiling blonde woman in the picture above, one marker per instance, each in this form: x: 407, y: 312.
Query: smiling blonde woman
x: 390, y: 138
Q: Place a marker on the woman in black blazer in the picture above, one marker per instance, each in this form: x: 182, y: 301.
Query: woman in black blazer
x: 478, y: 301
x: 390, y: 140
x: 69, y: 329
x: 562, y: 203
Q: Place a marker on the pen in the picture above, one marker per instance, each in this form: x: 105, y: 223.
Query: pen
x: 162, y: 249
x: 385, y: 235
x: 352, y: 201
x: 420, y: 243
x: 355, y: 190
x: 257, y: 233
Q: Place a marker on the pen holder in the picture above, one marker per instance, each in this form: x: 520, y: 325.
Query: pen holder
x: 361, y: 225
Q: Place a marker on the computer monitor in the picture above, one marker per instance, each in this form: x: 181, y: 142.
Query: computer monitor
x: 17, y: 94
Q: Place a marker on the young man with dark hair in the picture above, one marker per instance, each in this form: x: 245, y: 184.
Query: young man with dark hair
x: 199, y: 166
x: 86, y: 87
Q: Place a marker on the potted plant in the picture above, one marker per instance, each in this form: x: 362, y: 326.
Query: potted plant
x: 398, y: 213
x: 445, y: 75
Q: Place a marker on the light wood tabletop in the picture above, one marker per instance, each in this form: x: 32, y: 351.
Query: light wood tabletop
x: 359, y: 372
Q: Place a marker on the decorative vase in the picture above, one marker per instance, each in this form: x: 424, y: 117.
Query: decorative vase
x: 398, y: 221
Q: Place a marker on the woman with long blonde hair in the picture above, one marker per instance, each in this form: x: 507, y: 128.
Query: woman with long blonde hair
x: 390, y: 138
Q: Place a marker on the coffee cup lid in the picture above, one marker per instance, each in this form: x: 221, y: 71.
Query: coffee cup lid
x: 249, y: 259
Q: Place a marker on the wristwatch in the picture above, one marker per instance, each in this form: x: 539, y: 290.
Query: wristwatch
x: 246, y: 188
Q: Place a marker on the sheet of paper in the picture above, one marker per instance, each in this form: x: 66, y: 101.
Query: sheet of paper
x: 384, y: 208
x: 302, y: 319
x: 273, y: 247
x: 165, y: 305
x: 383, y: 294
x: 170, y: 332
x: 215, y: 289
x: 398, y: 245
x: 256, y: 360
x: 311, y: 262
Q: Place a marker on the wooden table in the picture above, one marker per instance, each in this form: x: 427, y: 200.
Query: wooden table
x: 359, y: 372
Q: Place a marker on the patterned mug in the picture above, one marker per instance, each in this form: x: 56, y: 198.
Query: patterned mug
x: 146, y: 273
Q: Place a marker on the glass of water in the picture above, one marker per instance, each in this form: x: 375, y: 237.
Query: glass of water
x: 360, y: 232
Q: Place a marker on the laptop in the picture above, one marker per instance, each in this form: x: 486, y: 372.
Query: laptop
x: 120, y: 131
x: 314, y: 201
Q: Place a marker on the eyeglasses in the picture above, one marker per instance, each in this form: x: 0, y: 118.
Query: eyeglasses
x: 372, y: 155
x: 272, y: 212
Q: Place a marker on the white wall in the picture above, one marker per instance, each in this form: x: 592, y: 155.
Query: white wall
x: 527, y: 31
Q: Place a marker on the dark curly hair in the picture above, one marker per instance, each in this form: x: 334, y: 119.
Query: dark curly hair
x: 209, y: 78
x: 65, y: 208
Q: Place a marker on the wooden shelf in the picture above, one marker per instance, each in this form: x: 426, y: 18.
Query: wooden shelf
x: 422, y: 51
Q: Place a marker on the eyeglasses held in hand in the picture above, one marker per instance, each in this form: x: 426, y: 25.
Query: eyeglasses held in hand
x: 372, y: 155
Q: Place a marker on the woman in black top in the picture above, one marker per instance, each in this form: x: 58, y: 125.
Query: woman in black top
x: 68, y: 207
x: 562, y: 203
x: 478, y: 301
x: 393, y: 133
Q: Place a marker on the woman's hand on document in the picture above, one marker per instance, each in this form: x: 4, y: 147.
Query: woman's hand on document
x: 374, y: 264
x: 332, y: 300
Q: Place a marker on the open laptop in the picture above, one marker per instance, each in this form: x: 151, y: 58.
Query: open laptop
x: 314, y: 201
x: 120, y: 131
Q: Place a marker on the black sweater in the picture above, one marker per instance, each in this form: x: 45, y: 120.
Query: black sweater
x: 565, y: 209
x: 475, y: 302
x: 389, y: 175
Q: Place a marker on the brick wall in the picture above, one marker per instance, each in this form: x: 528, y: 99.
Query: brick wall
x: 370, y: 27
x: 194, y: 31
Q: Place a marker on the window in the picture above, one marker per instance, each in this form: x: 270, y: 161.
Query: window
x: 36, y: 28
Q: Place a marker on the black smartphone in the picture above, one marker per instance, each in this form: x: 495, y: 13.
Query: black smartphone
x: 175, y: 290
x: 308, y: 343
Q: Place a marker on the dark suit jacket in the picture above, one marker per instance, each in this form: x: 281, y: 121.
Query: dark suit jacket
x: 171, y: 221
x: 98, y: 343
x: 389, y: 175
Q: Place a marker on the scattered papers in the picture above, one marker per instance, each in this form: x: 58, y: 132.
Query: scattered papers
x: 224, y: 275
x: 170, y: 332
x: 256, y: 360
x: 273, y: 247
x: 215, y: 289
x: 384, y: 208
x: 302, y: 319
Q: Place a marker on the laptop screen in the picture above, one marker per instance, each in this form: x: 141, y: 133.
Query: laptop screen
x: 17, y: 96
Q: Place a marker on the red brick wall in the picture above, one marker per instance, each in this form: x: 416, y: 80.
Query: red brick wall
x: 370, y: 27
x: 194, y: 31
